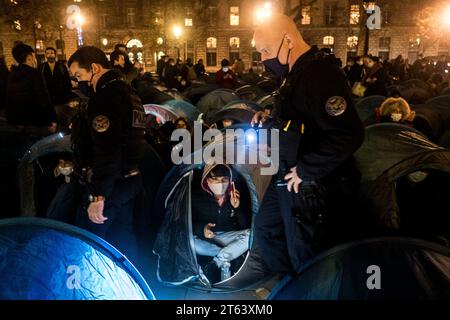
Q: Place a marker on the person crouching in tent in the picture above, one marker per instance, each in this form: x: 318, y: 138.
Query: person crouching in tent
x: 220, y: 225
x: 395, y: 110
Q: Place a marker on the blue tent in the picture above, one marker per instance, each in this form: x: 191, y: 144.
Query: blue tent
x: 47, y: 260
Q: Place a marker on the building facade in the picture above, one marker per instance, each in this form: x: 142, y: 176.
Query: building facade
x: 216, y: 29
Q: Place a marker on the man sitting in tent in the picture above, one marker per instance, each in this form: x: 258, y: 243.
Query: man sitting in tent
x: 221, y: 225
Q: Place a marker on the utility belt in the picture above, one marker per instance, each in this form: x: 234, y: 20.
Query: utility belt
x: 85, y: 175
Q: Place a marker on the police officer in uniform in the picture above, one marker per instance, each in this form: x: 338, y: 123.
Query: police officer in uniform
x: 108, y: 144
x: 319, y: 132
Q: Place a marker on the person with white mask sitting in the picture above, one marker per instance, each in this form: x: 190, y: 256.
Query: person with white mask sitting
x: 220, y: 224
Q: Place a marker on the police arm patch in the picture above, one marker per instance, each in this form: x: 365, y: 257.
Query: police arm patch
x: 336, y: 106
x: 101, y: 123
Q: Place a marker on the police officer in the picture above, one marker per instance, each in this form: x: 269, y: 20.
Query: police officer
x: 319, y: 132
x: 108, y: 144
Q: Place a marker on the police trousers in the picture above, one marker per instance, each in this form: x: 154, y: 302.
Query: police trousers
x: 121, y: 208
x: 291, y: 228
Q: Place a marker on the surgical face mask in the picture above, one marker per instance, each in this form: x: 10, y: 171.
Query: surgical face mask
x: 275, y: 66
x: 218, y: 189
x: 225, y: 69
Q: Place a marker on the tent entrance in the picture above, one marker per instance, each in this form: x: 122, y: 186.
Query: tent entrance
x: 424, y: 204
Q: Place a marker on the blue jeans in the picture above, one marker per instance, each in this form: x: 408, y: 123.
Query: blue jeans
x: 225, y: 246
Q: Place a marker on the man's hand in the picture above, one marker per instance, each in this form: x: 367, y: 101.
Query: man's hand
x: 293, y: 180
x: 53, y: 127
x: 95, y: 212
x: 235, y: 198
x: 259, y: 118
x: 207, y: 231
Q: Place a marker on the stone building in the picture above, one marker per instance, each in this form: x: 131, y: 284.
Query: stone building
x: 216, y: 29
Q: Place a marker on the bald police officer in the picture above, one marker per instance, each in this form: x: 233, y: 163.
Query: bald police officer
x: 108, y: 144
x: 319, y: 132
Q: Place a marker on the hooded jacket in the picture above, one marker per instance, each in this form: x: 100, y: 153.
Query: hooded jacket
x: 205, y: 209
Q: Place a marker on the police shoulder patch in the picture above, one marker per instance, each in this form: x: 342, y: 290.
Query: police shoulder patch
x: 336, y: 106
x: 101, y: 123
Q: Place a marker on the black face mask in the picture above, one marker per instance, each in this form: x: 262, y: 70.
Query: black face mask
x: 85, y: 88
x: 275, y: 66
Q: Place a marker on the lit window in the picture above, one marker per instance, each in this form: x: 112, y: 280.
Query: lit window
x: 134, y: 42
x: 39, y: 45
x: 234, y: 43
x: 352, y: 42
x: 328, y: 40
x: 306, y: 15
x: 211, y: 43
x: 234, y: 16
x: 188, y: 22
x: 354, y: 14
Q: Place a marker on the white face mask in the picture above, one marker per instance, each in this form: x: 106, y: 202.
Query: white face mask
x: 225, y: 69
x: 218, y: 189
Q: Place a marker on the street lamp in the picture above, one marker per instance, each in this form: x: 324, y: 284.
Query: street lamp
x: 446, y: 17
x: 79, y: 22
x: 369, y: 8
x: 177, y: 31
x: 264, y: 12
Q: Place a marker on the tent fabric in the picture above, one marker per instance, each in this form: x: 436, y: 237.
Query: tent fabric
x: 214, y: 101
x: 57, y: 143
x: 366, y: 106
x: 433, y: 117
x: 42, y: 259
x: 249, y: 92
x: 152, y: 170
x: 268, y: 100
x: 383, y: 191
x: 175, y: 94
x: 408, y: 269
x: 389, y: 153
x: 195, y: 92
x: 387, y: 144
x: 240, y: 111
x: 174, y: 245
x: 172, y: 110
x: 413, y: 94
x: 415, y: 83
x: 149, y: 94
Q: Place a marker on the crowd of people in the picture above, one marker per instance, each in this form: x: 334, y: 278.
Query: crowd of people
x: 109, y: 137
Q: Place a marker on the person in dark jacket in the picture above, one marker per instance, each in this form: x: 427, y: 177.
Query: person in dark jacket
x: 161, y: 65
x: 319, y: 130
x: 376, y: 79
x: 108, y: 145
x: 171, y: 75
x: 225, y: 77
x: 29, y: 105
x: 4, y: 72
x: 221, y: 226
x: 355, y: 72
x: 199, y: 68
x: 56, y: 77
